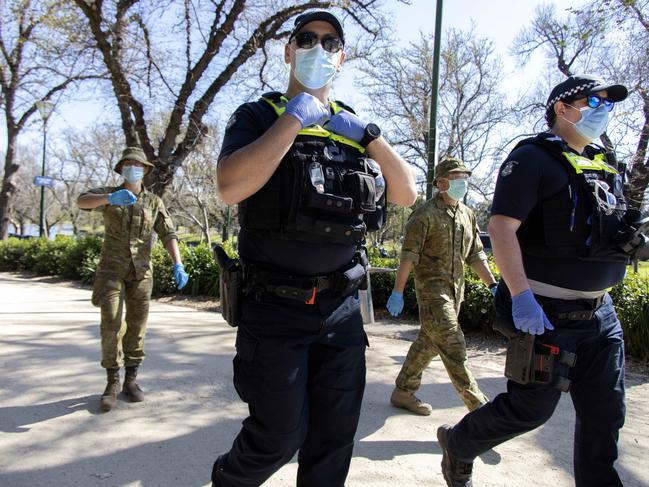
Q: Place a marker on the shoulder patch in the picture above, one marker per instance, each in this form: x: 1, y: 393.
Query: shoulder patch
x: 231, y: 121
x: 508, y: 168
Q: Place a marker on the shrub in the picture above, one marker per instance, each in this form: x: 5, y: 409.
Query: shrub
x: 631, y: 299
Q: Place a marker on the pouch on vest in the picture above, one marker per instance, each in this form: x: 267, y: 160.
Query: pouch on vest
x: 360, y: 187
x: 230, y: 286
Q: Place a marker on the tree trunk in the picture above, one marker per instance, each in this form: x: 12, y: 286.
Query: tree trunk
x: 9, y: 187
x: 636, y: 186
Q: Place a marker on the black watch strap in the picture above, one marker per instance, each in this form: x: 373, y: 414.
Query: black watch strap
x: 372, y: 132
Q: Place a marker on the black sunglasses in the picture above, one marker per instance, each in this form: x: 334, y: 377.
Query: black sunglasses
x: 307, y: 40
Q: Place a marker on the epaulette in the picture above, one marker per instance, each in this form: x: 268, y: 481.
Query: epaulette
x: 344, y: 106
x: 274, y: 96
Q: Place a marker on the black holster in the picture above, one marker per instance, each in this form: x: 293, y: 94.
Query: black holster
x: 530, y: 361
x: 230, y: 286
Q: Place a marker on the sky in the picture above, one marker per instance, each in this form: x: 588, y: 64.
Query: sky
x: 499, y: 20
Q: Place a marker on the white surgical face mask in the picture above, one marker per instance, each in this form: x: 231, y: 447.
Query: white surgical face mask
x: 457, y: 188
x: 315, y: 67
x: 133, y: 174
x: 593, y: 122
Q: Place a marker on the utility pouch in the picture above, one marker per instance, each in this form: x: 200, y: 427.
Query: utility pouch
x: 361, y: 187
x: 352, y: 279
x: 230, y: 286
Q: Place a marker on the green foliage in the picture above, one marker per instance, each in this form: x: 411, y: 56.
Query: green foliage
x: 202, y: 269
x: 65, y: 256
x: 631, y: 299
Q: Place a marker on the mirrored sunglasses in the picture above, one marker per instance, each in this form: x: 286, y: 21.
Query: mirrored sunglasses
x: 307, y: 40
x: 595, y: 101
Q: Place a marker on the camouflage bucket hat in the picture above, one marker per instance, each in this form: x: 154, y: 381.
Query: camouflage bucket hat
x: 132, y: 154
x: 450, y: 165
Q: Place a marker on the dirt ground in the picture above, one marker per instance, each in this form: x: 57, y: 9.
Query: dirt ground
x: 52, y: 432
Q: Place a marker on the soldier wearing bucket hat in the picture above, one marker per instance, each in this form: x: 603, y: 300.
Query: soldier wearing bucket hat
x: 132, y: 215
x: 556, y: 223
x: 440, y: 238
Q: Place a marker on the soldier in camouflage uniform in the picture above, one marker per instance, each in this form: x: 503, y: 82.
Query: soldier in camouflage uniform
x: 124, y: 277
x: 441, y: 236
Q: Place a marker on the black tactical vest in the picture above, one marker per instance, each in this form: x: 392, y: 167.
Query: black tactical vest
x: 575, y: 223
x: 323, y: 191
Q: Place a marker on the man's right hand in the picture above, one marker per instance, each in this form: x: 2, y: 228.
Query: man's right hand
x: 123, y: 197
x: 307, y: 109
x: 395, y: 303
x: 528, y: 315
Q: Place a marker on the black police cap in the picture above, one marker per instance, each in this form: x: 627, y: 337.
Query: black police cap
x: 583, y: 85
x: 323, y: 15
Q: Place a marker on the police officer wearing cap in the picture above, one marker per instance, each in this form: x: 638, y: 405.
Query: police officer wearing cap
x: 440, y: 238
x: 557, y: 213
x: 310, y: 179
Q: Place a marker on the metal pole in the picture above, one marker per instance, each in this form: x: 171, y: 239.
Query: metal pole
x: 432, y: 129
x: 41, y: 229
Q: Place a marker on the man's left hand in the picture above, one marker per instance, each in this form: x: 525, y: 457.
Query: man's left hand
x: 180, y: 276
x: 347, y: 124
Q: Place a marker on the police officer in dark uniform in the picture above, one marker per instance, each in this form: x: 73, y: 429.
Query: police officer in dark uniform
x: 560, y: 231
x: 310, y: 179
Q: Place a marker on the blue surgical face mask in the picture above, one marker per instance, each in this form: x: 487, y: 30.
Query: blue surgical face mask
x: 315, y: 67
x: 457, y: 188
x: 593, y: 122
x: 133, y: 174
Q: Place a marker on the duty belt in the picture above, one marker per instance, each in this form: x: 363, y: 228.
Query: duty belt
x: 259, y: 280
x: 559, y: 308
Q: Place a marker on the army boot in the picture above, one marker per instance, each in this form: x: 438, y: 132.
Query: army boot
x: 109, y: 396
x: 457, y: 473
x: 130, y: 389
x: 407, y: 400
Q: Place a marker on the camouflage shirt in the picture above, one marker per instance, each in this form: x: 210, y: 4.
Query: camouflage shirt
x: 129, y: 233
x: 439, y: 240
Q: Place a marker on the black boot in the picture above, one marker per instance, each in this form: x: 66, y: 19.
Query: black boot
x: 130, y: 389
x: 457, y: 473
x: 109, y: 396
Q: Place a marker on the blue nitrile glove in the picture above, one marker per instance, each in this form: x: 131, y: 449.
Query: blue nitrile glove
x: 307, y: 109
x: 528, y: 315
x: 493, y: 289
x: 180, y: 276
x: 122, y: 197
x: 347, y: 124
x: 395, y: 303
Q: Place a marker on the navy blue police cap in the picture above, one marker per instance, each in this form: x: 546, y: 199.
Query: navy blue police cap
x: 324, y: 16
x: 583, y: 85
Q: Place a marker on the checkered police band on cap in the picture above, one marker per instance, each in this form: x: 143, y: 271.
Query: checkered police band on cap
x: 583, y: 85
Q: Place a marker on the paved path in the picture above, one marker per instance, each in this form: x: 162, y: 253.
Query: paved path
x: 53, y: 434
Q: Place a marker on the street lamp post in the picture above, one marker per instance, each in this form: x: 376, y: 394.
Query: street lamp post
x: 45, y: 108
x: 432, y: 129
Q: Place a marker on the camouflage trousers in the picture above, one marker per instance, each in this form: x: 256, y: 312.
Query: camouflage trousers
x: 122, y: 340
x: 440, y: 334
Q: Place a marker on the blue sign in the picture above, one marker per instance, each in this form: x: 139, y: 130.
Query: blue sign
x: 43, y: 181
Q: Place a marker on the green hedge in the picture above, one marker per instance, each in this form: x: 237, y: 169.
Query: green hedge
x: 78, y: 258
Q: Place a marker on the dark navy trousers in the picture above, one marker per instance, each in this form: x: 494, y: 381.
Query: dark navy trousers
x: 301, y: 369
x: 597, y: 393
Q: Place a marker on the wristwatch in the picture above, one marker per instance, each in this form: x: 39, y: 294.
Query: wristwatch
x: 372, y: 132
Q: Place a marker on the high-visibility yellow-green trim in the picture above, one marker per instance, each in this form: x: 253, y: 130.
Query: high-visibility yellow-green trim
x: 317, y: 130
x: 581, y: 164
